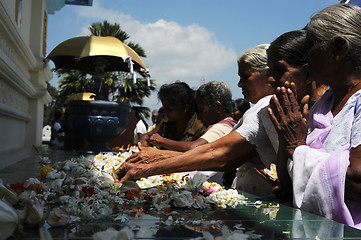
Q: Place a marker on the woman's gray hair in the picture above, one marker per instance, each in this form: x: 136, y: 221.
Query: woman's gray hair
x: 211, y: 92
x: 338, y: 20
x: 256, y: 58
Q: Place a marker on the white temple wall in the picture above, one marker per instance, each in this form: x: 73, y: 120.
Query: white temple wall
x: 23, y: 77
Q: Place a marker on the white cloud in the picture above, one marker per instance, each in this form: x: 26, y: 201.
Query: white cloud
x: 174, y: 52
x: 185, y: 53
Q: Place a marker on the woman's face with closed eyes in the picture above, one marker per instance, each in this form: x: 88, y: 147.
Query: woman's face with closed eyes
x: 254, y: 84
x: 280, y: 72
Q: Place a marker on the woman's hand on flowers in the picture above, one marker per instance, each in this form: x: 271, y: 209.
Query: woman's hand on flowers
x: 156, y: 140
x: 129, y: 171
x: 151, y: 154
x: 288, y: 120
x: 145, y: 155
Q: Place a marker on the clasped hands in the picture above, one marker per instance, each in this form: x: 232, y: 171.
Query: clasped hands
x: 289, y: 117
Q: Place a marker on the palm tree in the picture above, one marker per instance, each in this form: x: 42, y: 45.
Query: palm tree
x: 50, y: 108
x: 118, y: 86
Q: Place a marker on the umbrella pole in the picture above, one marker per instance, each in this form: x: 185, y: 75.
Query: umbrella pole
x: 100, y: 86
x: 99, y: 77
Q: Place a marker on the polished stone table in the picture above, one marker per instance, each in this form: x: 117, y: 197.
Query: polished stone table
x: 260, y: 221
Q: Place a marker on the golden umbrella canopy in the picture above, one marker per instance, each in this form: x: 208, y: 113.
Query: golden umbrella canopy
x: 85, y: 96
x: 84, y: 54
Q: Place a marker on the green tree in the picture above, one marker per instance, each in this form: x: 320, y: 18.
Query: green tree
x: 50, y: 108
x: 135, y: 93
x: 118, y: 86
x: 72, y: 81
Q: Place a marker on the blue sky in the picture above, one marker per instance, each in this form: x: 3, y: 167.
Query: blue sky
x: 188, y: 40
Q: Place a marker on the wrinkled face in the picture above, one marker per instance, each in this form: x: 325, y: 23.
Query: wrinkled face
x: 207, y: 114
x: 321, y: 62
x: 173, y: 113
x: 280, y: 72
x: 253, y: 83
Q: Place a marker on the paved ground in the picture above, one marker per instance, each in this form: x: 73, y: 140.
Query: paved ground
x: 30, y: 167
x: 22, y: 170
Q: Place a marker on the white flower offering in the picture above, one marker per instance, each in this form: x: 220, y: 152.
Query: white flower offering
x: 83, y: 189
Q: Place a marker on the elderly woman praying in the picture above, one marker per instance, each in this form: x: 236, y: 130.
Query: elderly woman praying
x: 324, y: 150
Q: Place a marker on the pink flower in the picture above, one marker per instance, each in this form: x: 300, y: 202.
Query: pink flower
x: 209, y: 191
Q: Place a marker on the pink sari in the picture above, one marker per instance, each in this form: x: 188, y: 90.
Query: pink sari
x: 319, y: 177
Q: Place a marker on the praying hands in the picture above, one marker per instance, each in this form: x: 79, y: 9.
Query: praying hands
x: 288, y: 120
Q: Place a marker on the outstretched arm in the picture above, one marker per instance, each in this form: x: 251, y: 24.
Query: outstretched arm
x: 227, y: 152
x: 151, y: 154
x: 181, y: 146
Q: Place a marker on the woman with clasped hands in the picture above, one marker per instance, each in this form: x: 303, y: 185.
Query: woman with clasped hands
x: 324, y: 149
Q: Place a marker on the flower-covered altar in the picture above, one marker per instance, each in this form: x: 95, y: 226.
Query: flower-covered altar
x: 76, y: 197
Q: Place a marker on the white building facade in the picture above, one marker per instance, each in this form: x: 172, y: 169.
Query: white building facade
x: 23, y: 76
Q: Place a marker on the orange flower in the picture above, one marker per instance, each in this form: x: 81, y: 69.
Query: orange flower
x: 36, y: 187
x: 164, y: 198
x: 212, y: 228
x: 130, y: 195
